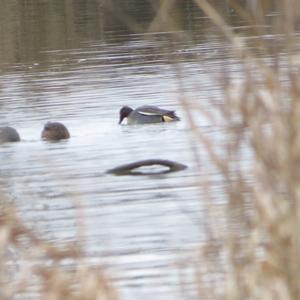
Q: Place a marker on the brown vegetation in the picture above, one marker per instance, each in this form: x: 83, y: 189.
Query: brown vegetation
x: 253, y: 245
x: 253, y: 240
x: 33, y: 266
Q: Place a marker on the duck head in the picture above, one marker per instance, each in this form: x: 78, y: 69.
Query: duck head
x: 124, y: 113
x: 55, y: 131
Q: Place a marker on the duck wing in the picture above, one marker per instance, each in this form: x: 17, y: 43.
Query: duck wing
x: 151, y: 110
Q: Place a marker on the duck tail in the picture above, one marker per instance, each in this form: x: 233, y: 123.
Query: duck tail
x: 171, y: 116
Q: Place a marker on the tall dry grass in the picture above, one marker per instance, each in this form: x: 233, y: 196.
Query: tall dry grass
x: 253, y: 241
x: 34, y: 268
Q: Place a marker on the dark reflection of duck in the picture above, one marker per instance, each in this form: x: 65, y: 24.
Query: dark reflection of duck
x: 9, y: 134
x: 132, y: 168
x: 147, y: 114
x: 55, y: 131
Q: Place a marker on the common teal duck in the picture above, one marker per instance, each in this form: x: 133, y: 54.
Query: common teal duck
x: 147, y: 114
x: 55, y: 131
x: 8, y: 134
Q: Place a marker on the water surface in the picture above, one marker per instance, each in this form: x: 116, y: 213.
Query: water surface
x: 71, y: 63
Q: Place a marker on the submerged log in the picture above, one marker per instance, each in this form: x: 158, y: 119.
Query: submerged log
x: 130, y: 169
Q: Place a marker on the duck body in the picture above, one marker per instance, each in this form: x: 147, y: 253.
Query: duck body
x: 147, y: 114
x: 55, y: 131
x: 8, y: 134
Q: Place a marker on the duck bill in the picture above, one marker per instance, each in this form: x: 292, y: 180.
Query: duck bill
x: 121, y: 119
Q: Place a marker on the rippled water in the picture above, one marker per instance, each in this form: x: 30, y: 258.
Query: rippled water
x: 140, y: 228
x: 136, y: 225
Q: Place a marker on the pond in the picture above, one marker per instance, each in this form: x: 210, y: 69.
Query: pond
x: 76, y: 64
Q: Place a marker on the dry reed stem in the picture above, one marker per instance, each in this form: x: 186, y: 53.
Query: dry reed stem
x: 36, y: 263
x: 258, y: 248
